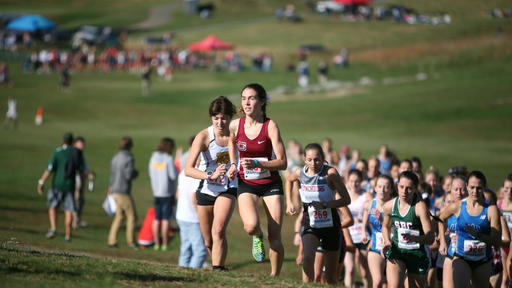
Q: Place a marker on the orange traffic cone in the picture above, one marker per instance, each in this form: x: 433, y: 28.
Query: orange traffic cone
x: 39, y: 115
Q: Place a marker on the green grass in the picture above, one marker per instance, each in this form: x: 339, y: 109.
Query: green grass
x: 460, y: 115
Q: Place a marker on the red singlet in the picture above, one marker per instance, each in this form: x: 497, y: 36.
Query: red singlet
x: 258, y: 148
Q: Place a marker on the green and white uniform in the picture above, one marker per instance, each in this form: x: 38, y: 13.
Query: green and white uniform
x: 413, y: 254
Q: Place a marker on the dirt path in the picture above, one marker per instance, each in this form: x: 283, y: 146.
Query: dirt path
x: 158, y: 15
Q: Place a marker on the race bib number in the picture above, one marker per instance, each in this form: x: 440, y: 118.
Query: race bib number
x: 257, y: 173
x: 356, y: 232
x: 221, y: 181
x: 404, y: 244
x: 320, y: 218
x: 379, y: 241
x: 474, y: 250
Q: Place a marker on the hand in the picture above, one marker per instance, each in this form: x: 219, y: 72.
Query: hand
x: 442, y: 248
x: 317, y: 205
x: 219, y: 172
x: 410, y: 238
x: 385, y: 249
x: 471, y: 230
x: 290, y: 209
x: 39, y: 189
x: 231, y: 171
x: 297, y: 239
x: 365, y: 239
x: 248, y: 163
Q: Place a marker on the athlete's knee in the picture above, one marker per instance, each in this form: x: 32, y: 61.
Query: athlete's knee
x: 252, y: 228
x: 218, y: 232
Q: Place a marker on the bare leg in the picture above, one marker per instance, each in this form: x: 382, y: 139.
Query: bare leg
x: 205, y: 223
x: 165, y: 232
x: 223, y: 209
x: 274, y: 209
x: 68, y: 218
x: 376, y: 264
x: 52, y: 215
x: 447, y: 273
x: 349, y: 269
x: 248, y: 209
x: 319, y: 266
x: 156, y: 232
x: 395, y: 273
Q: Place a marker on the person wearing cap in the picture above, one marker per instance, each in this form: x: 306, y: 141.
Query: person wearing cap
x: 65, y: 162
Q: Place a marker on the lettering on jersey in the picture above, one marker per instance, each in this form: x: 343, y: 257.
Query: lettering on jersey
x: 403, y: 224
x: 312, y: 188
x: 475, y: 227
x: 158, y: 166
x: 222, y: 158
x: 242, y: 146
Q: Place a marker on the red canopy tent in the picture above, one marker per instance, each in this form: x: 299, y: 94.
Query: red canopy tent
x: 211, y: 43
x: 354, y: 2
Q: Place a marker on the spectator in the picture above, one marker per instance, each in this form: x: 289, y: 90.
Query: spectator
x: 163, y: 175
x: 80, y: 184
x: 11, y: 117
x: 122, y: 172
x: 193, y: 252
x: 65, y: 162
x: 323, y: 70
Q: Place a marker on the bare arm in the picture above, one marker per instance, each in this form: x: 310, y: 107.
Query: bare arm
x: 233, y: 130
x: 367, y: 206
x: 40, y: 183
x: 424, y: 215
x: 346, y: 218
x: 292, y: 199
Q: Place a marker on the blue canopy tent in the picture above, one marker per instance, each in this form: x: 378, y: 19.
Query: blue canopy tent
x: 30, y: 23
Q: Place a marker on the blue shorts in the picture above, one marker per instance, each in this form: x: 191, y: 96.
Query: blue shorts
x: 163, y: 208
x: 55, y: 197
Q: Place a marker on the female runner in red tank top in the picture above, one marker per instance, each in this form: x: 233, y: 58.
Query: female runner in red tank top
x: 257, y: 142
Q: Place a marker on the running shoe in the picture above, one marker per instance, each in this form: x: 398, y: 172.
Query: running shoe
x: 258, y: 250
x: 51, y: 233
x: 156, y: 247
x: 163, y: 248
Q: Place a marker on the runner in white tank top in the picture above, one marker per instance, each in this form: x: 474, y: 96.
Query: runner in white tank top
x: 354, y: 179
x: 216, y: 194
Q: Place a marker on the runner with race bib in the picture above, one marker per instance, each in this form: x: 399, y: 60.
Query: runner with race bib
x: 257, y: 142
x: 384, y: 189
x: 408, y: 219
x: 321, y: 192
x: 216, y: 193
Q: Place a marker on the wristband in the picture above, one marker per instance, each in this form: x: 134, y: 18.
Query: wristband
x: 40, y: 182
x: 256, y: 162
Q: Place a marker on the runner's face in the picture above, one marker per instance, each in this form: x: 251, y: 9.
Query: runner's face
x: 313, y: 160
x: 220, y: 121
x: 383, y: 188
x: 354, y: 183
x: 405, y: 188
x: 459, y: 189
x: 431, y: 180
x: 250, y: 102
x: 447, y: 183
x: 404, y: 166
x: 507, y: 190
x: 475, y: 188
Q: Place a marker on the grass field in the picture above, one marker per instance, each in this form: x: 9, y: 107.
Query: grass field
x: 459, y: 115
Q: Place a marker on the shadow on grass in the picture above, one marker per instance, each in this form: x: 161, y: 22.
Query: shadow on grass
x: 238, y: 265
x: 24, y: 230
x: 20, y: 270
x: 151, y: 277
